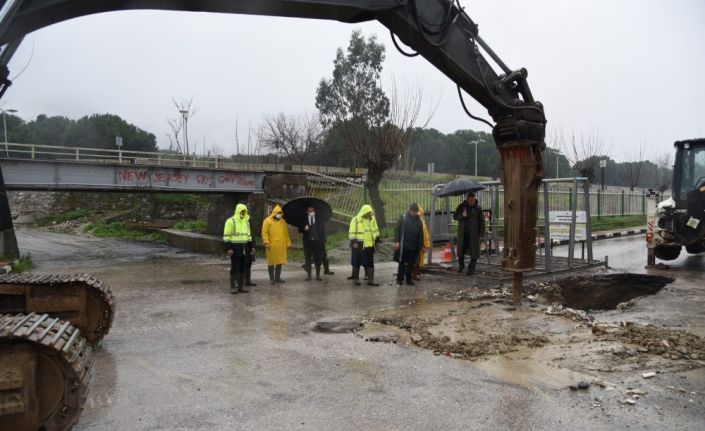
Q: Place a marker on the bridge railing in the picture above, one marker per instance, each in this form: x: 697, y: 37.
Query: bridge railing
x: 162, y: 158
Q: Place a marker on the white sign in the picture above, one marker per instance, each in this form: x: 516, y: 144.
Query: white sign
x: 603, y: 163
x: 118, y: 141
x: 566, y: 217
x: 560, y: 222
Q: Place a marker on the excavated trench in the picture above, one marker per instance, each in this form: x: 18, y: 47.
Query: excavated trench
x: 605, y: 292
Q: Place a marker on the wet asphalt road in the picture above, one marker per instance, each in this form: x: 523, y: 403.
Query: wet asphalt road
x: 185, y: 354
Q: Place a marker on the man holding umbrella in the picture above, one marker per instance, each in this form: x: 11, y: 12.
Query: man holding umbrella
x: 471, y: 227
x: 309, y: 215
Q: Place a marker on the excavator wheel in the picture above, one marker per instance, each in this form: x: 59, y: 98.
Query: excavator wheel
x: 45, y: 372
x: 83, y: 300
x: 668, y: 252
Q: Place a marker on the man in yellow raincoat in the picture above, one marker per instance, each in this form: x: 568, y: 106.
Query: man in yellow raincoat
x: 426, y: 246
x: 237, y: 238
x: 275, y: 236
x: 364, y: 235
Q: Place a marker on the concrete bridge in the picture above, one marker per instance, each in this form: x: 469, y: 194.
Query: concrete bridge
x: 53, y: 168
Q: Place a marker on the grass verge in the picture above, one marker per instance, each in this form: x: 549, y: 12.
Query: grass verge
x: 118, y: 230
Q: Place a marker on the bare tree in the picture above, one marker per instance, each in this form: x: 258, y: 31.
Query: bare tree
x: 180, y: 124
x: 409, y: 153
x: 633, y: 166
x: 175, y: 126
x: 665, y: 171
x: 294, y: 136
x: 583, y: 150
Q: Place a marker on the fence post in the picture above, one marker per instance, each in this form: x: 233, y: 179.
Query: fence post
x: 570, y: 199
x: 32, y: 151
x: 643, y: 202
x: 621, y: 211
x: 599, y: 203
x: 77, y: 154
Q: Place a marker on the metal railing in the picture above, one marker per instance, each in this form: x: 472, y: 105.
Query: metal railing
x: 160, y: 158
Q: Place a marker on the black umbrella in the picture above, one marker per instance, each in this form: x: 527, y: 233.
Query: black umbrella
x: 460, y: 187
x: 295, y: 210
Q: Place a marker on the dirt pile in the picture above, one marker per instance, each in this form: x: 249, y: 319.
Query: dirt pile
x: 669, y: 343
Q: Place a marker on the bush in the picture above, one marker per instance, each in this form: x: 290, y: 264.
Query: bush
x: 23, y: 264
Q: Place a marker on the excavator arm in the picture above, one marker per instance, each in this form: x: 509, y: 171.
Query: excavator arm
x: 438, y: 30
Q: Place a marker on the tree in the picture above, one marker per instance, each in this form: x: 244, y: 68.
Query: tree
x: 180, y: 124
x: 294, y: 136
x: 632, y: 168
x: 584, y: 151
x: 100, y: 130
x: 353, y: 105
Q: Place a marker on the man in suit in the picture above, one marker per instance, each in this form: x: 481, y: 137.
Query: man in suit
x: 314, y: 240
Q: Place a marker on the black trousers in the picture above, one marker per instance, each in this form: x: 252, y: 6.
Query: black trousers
x: 240, y: 264
x: 407, y: 260
x: 313, y: 253
x: 463, y: 251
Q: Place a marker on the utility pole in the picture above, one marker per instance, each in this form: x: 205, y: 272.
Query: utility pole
x: 603, y: 164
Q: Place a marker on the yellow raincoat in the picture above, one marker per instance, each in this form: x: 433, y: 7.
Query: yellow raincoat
x: 275, y: 234
x: 363, y: 229
x: 426, y: 239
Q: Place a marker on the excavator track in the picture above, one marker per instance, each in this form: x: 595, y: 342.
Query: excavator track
x: 46, y: 372
x: 82, y: 299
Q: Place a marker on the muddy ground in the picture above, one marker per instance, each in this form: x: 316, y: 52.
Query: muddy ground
x: 185, y: 354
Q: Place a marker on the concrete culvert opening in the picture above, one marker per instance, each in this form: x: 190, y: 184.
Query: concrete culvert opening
x: 605, y: 292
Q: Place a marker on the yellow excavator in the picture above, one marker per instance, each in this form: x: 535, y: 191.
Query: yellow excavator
x: 51, y: 320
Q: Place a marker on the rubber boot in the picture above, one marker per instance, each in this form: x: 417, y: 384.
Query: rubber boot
x: 248, y: 278
x: 241, y: 283
x: 278, y: 274
x: 318, y: 273
x: 270, y: 270
x: 308, y: 272
x: 371, y: 277
x: 365, y: 272
x: 356, y: 276
x: 471, y: 266
x: 326, y: 268
x: 233, y: 287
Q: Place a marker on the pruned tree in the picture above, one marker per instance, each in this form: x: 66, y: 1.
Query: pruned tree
x: 353, y: 105
x: 175, y: 125
x: 584, y: 150
x: 633, y: 166
x: 293, y: 136
x: 180, y: 124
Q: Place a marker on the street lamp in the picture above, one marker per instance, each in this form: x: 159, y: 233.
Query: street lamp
x: 476, y: 142
x: 4, y: 126
x: 558, y: 154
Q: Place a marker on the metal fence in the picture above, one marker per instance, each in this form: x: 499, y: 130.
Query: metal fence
x: 346, y: 197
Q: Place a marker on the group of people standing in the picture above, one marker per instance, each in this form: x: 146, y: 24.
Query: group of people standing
x: 411, y: 241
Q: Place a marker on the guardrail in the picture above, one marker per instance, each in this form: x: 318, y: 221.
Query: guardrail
x: 166, y: 159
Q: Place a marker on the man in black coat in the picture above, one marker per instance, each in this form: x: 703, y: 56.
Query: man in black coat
x: 314, y: 240
x: 408, y: 237
x: 471, y: 227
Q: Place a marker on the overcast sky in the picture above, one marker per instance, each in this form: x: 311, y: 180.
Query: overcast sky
x: 631, y: 69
